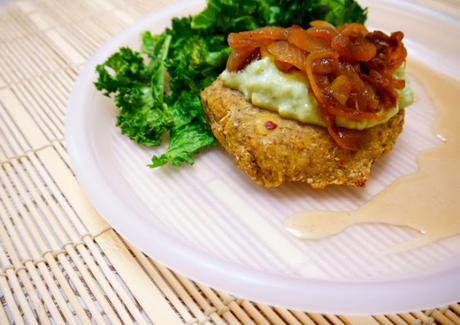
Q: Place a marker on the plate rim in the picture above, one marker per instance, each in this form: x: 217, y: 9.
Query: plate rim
x: 309, y: 295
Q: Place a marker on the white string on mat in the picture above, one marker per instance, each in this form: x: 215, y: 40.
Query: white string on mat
x: 43, y: 58
x: 39, y: 163
x: 48, y: 207
x: 19, y: 14
x: 221, y: 308
x: 4, y: 143
x: 60, y: 146
x: 3, y: 316
x: 10, y: 66
x: 26, y: 153
x: 2, y: 82
x: 45, y: 193
x: 13, y: 308
x: 12, y: 274
x: 28, y: 66
x: 68, y: 53
x: 31, y: 249
x: 209, y: 311
x: 74, y: 37
x: 38, y: 307
x: 62, y: 184
x: 35, y: 210
x: 104, y: 31
x: 48, y: 102
x: 164, y: 286
x: 180, y: 291
x: 5, y: 74
x: 59, y: 89
x: 228, y: 303
x: 105, y: 283
x: 112, y: 24
x: 82, y: 292
x: 54, y: 84
x: 67, y: 77
x: 138, y: 282
x: 22, y: 128
x: 13, y: 141
x: 89, y: 39
x: 9, y: 29
x: 54, y: 60
x: 44, y: 293
x: 234, y: 305
x: 93, y: 284
x: 37, y: 114
x: 70, y: 246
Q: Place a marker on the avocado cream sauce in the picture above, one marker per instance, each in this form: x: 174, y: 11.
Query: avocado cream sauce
x: 288, y: 94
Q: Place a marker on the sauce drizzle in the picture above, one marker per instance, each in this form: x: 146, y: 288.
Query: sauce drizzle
x: 428, y: 200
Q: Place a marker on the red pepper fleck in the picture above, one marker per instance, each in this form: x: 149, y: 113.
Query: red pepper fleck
x: 270, y: 125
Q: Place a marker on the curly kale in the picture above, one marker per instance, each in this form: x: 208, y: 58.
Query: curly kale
x: 157, y: 89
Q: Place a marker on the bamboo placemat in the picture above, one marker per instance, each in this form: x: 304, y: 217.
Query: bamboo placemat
x: 60, y: 261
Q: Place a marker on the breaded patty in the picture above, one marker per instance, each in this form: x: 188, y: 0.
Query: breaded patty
x: 290, y: 151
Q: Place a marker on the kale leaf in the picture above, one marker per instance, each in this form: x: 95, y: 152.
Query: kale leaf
x: 184, y: 142
x: 225, y: 16
x: 157, y: 89
x: 125, y: 76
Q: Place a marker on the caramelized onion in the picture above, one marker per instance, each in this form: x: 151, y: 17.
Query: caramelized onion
x: 321, y: 24
x: 311, y: 58
x: 354, y: 115
x: 325, y: 66
x: 347, y: 139
x: 349, y: 69
x: 284, y: 51
x: 353, y: 30
x: 241, y: 58
x: 343, y: 45
x: 363, y: 50
x: 304, y: 41
x: 259, y: 36
x: 283, y: 66
x: 340, y: 89
x: 324, y: 34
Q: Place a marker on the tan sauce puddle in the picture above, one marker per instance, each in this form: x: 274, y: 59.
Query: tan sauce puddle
x: 428, y: 200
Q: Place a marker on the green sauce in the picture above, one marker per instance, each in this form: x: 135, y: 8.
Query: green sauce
x: 288, y: 94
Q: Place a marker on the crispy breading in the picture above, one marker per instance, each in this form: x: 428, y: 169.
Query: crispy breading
x: 293, y: 151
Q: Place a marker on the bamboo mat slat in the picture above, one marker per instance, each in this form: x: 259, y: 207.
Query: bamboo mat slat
x: 60, y: 262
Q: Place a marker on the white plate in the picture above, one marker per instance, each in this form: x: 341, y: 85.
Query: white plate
x: 211, y: 224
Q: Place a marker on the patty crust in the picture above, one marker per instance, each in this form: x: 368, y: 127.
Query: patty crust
x: 272, y: 150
